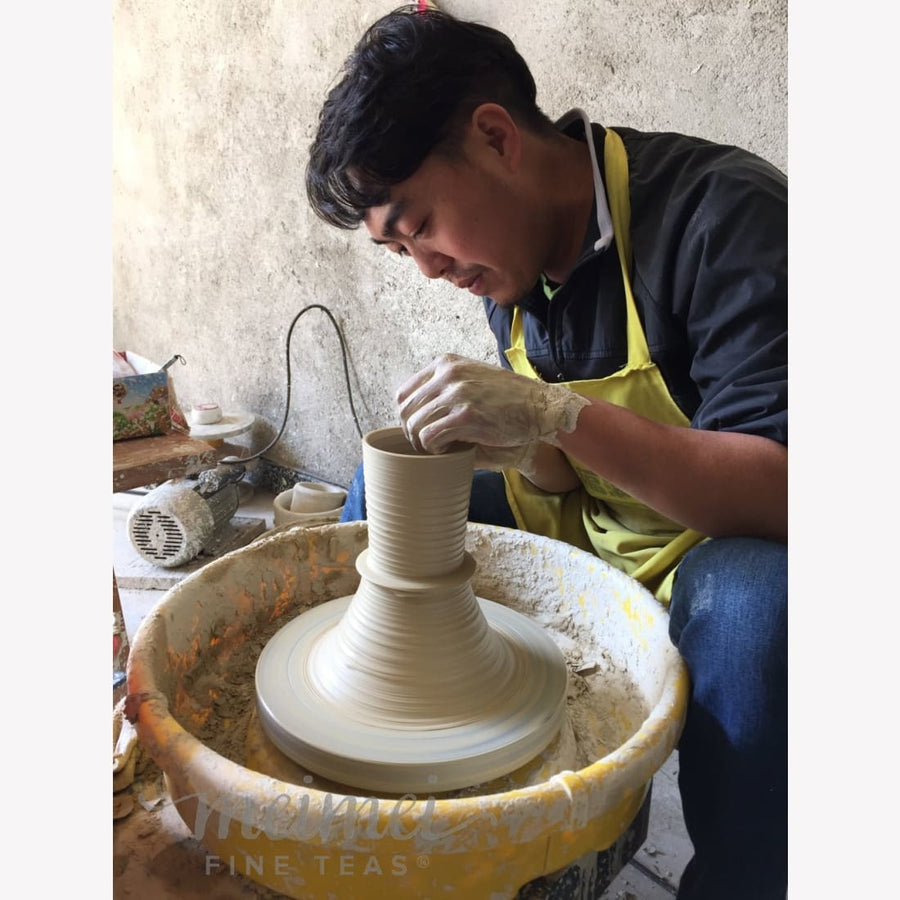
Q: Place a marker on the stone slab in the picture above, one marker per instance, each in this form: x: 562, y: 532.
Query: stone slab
x: 136, y: 573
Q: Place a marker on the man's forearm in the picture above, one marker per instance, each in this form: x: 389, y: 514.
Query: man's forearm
x: 549, y: 470
x: 718, y: 483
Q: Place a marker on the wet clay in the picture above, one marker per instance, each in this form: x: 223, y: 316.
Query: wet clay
x: 603, y: 709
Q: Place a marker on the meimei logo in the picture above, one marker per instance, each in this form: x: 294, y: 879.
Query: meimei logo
x: 348, y: 820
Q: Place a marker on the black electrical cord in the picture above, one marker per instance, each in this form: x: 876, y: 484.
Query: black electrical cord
x: 233, y: 460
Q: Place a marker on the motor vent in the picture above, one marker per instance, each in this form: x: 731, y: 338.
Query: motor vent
x: 159, y: 537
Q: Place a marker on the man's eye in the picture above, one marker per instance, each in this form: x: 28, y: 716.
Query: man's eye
x: 401, y: 251
x: 420, y: 230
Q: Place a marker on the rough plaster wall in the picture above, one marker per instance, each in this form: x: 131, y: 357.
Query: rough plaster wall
x: 215, y: 250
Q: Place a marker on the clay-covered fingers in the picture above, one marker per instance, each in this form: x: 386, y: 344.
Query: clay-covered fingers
x: 435, y: 405
x: 421, y: 379
x: 459, y: 400
x: 418, y: 399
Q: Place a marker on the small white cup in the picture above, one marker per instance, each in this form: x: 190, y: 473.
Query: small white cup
x: 206, y: 414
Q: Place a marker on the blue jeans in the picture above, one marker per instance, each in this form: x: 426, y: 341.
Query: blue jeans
x: 728, y: 619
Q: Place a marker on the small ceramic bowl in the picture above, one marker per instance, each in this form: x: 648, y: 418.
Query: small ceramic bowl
x: 284, y: 515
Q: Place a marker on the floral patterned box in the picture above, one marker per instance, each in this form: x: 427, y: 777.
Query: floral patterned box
x: 141, y: 402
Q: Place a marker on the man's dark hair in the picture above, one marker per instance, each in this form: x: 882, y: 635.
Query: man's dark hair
x: 409, y: 85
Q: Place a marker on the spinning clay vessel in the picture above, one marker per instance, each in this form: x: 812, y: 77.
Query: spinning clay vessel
x: 412, y: 684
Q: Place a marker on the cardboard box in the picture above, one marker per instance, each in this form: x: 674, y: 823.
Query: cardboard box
x: 141, y: 402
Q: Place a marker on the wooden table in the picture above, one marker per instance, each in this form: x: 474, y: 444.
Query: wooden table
x: 153, y: 460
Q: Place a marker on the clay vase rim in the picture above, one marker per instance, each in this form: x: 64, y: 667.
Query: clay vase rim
x: 393, y: 442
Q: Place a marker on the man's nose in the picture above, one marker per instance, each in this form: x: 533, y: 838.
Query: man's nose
x: 431, y: 263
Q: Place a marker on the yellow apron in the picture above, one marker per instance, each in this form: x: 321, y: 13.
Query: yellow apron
x: 598, y: 516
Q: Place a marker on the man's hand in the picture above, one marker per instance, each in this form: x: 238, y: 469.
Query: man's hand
x: 458, y: 400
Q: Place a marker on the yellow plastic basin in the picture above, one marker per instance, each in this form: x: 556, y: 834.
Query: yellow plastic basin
x: 308, y: 842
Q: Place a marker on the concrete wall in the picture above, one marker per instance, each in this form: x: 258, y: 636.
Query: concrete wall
x: 215, y: 250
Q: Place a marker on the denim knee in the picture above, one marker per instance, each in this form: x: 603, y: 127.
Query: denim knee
x: 729, y: 580
x: 728, y: 619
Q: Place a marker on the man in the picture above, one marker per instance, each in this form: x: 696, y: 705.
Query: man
x: 637, y: 287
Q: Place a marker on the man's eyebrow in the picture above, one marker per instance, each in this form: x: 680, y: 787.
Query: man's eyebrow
x: 390, y: 223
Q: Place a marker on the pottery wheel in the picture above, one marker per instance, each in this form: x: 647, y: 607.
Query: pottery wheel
x: 440, y: 733
x: 412, y: 684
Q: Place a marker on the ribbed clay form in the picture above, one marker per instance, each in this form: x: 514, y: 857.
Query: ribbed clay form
x: 413, y: 683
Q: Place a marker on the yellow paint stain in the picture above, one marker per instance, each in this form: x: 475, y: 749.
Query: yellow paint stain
x: 636, y: 616
x: 639, y: 621
x: 630, y: 611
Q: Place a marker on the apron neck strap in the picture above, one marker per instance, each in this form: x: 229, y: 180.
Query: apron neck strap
x: 615, y: 160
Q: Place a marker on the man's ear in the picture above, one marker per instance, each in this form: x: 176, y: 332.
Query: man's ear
x: 494, y: 131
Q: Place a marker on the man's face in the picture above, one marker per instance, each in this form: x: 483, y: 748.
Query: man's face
x: 464, y: 221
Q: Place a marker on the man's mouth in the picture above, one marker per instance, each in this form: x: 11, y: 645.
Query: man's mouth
x: 472, y: 285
